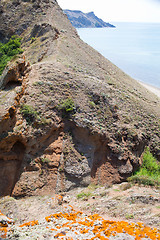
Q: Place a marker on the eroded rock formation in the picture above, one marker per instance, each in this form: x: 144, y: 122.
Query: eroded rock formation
x: 72, y: 117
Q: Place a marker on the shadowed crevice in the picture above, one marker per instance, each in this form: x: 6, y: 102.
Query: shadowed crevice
x: 10, y: 166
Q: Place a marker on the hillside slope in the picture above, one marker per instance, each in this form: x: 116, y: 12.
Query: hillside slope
x: 85, y: 20
x: 68, y: 116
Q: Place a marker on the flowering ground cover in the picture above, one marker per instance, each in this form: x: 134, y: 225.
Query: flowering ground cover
x: 70, y: 224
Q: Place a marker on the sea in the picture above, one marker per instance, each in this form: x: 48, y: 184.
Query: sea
x: 133, y: 47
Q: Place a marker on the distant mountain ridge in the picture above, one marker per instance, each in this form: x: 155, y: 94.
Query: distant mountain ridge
x: 85, y: 20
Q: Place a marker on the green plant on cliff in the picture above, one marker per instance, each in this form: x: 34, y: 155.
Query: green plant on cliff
x: 8, y: 51
x: 28, y: 113
x: 67, y: 106
x: 149, y: 172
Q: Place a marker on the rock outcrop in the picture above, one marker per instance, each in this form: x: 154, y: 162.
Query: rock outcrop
x: 13, y: 74
x: 72, y: 117
x: 85, y: 20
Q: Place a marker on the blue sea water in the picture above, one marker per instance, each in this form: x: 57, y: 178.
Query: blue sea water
x: 133, y: 47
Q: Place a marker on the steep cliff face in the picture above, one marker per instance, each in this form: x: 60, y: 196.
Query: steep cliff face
x: 70, y: 117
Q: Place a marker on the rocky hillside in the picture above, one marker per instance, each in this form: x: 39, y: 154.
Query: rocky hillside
x: 85, y: 20
x: 68, y: 116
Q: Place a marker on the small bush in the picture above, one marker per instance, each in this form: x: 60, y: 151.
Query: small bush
x: 28, y: 113
x: 67, y: 106
x: 149, y: 172
x: 8, y: 51
x: 150, y: 164
x: 144, y: 180
x: 83, y: 195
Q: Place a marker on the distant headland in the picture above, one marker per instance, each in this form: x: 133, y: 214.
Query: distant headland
x: 85, y: 20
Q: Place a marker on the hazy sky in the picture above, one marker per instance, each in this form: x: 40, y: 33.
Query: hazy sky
x: 118, y: 10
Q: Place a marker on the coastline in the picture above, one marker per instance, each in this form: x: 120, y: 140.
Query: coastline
x: 117, y: 52
x: 151, y: 88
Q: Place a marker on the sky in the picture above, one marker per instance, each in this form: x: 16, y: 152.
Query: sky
x: 117, y: 10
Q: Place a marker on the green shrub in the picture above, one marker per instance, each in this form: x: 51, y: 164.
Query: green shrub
x: 149, y: 172
x: 145, y: 180
x: 83, y: 195
x: 28, y: 113
x: 8, y: 51
x: 150, y: 164
x: 67, y: 106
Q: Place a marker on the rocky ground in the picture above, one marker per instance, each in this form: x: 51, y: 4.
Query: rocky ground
x: 70, y: 118
x: 95, y: 212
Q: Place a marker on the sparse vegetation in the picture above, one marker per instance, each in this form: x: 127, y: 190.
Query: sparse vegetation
x: 28, y: 113
x: 8, y: 51
x: 129, y: 216
x: 149, y: 172
x: 33, y: 39
x: 93, y: 186
x: 92, y: 104
x: 45, y: 121
x: 83, y: 195
x: 45, y: 160
x: 67, y: 106
x: 38, y: 83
